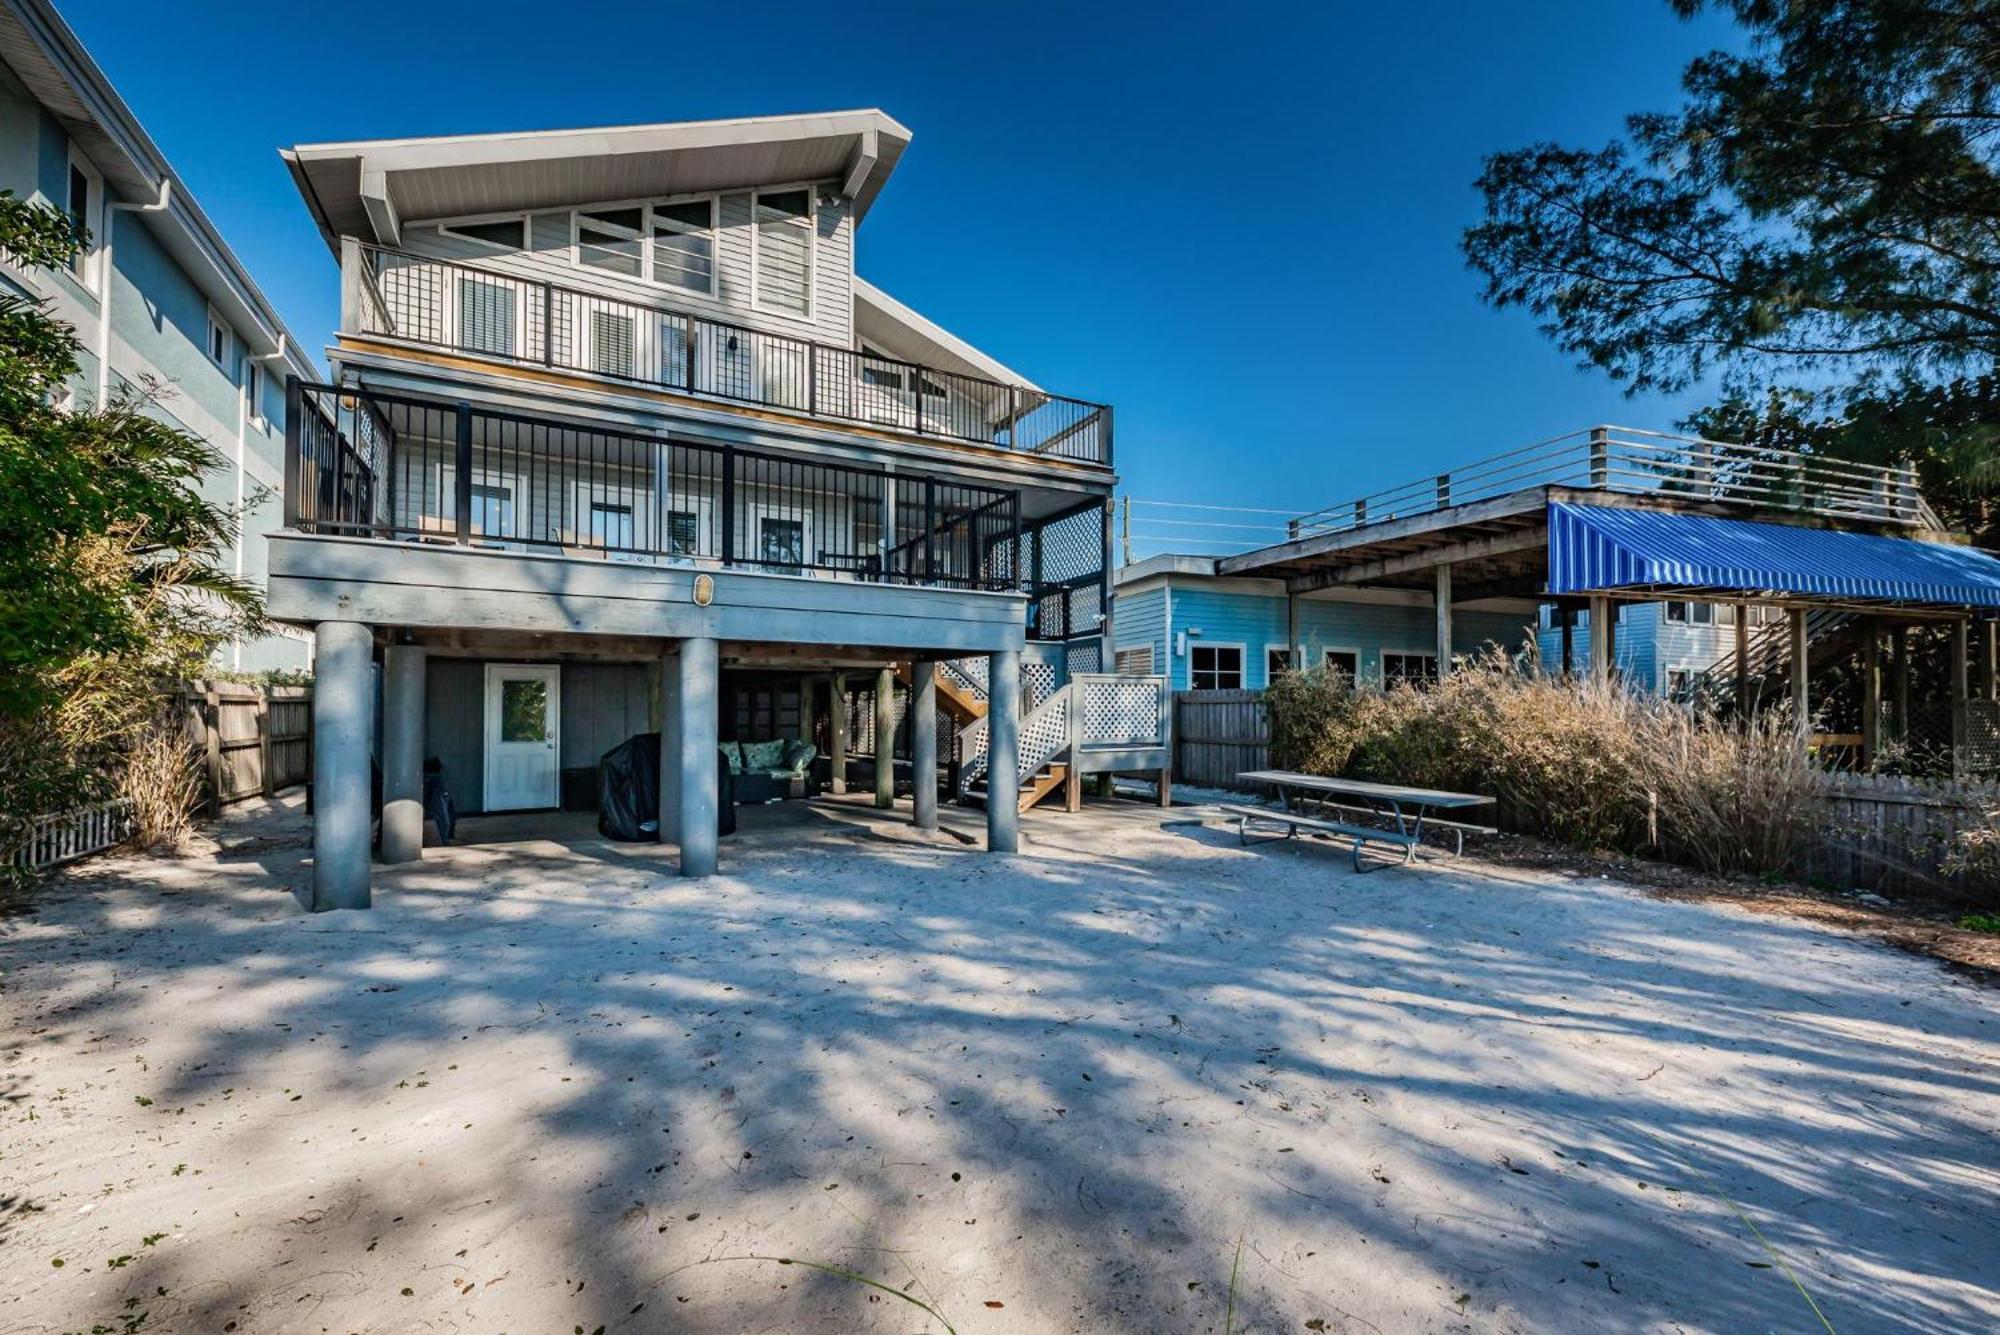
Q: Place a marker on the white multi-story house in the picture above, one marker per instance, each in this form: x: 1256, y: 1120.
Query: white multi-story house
x: 156, y: 296
x: 618, y: 439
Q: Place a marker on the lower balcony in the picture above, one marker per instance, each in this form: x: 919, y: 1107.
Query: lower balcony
x: 772, y: 540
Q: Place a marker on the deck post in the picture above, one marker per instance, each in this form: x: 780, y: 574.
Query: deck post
x: 1989, y: 660
x: 1961, y: 691
x: 1871, y: 690
x: 836, y: 704
x: 1743, y: 667
x: 1899, y: 681
x: 1603, y: 654
x: 1295, y: 651
x: 885, y: 738
x: 1003, y: 751
x: 699, y: 758
x: 402, y: 753
x: 923, y: 744
x: 343, y: 712
x: 1568, y: 615
x: 1442, y: 598
x: 1801, y: 696
x: 670, y: 750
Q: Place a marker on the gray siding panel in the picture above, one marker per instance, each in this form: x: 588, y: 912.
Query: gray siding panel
x: 602, y: 705
x: 454, y: 727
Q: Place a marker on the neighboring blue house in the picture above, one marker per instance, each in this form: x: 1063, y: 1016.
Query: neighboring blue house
x: 1176, y: 617
x: 181, y: 309
x: 1659, y: 646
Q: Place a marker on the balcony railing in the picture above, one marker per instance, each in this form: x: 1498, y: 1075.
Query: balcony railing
x: 1620, y: 459
x: 363, y: 464
x: 464, y: 308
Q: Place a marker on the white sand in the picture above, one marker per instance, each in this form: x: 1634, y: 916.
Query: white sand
x: 548, y: 1088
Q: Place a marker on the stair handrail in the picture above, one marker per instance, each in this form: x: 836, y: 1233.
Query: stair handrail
x: 1769, y: 648
x: 1044, y: 735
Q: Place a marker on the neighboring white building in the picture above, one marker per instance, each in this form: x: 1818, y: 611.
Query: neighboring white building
x: 157, y: 294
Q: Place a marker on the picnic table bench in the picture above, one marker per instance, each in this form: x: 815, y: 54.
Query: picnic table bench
x: 1304, y: 796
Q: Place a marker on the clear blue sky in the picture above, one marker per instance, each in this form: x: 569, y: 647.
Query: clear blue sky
x: 1239, y: 226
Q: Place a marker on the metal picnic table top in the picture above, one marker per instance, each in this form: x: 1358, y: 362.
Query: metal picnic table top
x: 1395, y: 793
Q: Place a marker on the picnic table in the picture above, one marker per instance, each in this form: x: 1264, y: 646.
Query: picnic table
x: 1303, y: 797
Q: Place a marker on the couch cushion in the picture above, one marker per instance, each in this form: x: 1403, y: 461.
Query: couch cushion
x: 798, y: 754
x: 734, y: 756
x: 763, y: 756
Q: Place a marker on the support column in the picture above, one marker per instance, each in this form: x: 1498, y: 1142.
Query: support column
x: 1003, y: 751
x: 1800, y: 656
x: 1871, y: 690
x: 1295, y: 650
x: 837, y: 726
x: 1568, y: 614
x: 1442, y: 598
x: 1743, y: 668
x: 923, y: 744
x: 670, y: 749
x: 1899, y: 680
x: 1989, y: 660
x: 402, y: 753
x: 1603, y: 653
x: 885, y: 738
x: 1961, y: 691
x: 343, y: 711
x: 699, y: 676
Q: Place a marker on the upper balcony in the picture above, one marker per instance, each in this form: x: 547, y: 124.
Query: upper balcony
x: 482, y: 313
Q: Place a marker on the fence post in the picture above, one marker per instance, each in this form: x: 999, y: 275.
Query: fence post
x: 211, y: 726
x: 1600, y: 457
x: 266, y: 776
x: 728, y: 505
x: 548, y: 324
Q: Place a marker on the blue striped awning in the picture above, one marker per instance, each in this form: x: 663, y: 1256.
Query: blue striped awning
x: 1595, y: 548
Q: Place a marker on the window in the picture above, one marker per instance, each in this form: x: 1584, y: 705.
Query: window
x: 84, y: 206
x: 683, y: 532
x: 1725, y: 614
x: 1680, y: 685
x: 1416, y: 669
x: 1277, y: 661
x: 1216, y: 667
x: 669, y: 244
x: 524, y: 710
x: 486, y: 311
x: 1701, y: 614
x: 684, y: 245
x: 1677, y: 611
x: 611, y: 526
x: 1133, y: 662
x: 502, y: 233
x: 613, y: 344
x: 781, y: 542
x: 611, y: 240
x: 782, y: 249
x: 218, y: 340
x: 492, y: 510
x: 253, y: 392
x: 1344, y: 661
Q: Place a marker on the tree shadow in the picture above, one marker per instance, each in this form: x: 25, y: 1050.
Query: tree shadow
x: 548, y: 1084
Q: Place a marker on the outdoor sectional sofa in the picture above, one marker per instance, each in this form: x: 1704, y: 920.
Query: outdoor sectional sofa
x: 768, y: 771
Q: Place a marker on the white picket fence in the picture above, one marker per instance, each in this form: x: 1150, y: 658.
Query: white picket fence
x: 69, y: 835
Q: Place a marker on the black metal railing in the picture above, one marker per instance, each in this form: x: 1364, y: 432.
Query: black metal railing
x: 466, y: 308
x: 364, y: 464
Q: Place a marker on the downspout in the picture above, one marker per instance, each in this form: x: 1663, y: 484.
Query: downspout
x: 1168, y: 585
x: 111, y: 209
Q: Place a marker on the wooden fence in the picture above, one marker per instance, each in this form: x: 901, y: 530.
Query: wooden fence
x: 255, y: 740
x: 1887, y: 832
x: 1218, y: 734
x: 54, y: 840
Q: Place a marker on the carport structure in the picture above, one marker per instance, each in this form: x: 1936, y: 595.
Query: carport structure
x: 1609, y: 515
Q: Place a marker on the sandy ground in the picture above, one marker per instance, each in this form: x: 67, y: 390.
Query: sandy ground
x: 545, y: 1086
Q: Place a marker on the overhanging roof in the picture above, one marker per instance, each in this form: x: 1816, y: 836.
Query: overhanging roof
x: 52, y: 63
x: 366, y: 187
x: 886, y: 323
x: 1604, y: 549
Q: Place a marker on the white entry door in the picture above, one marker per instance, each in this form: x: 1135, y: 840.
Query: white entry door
x: 522, y: 709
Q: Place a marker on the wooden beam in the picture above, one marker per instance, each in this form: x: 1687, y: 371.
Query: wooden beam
x: 1801, y: 654
x: 1529, y: 502
x: 1603, y: 654
x: 1871, y: 689
x: 1441, y: 602
x: 1961, y: 691
x: 1388, y: 567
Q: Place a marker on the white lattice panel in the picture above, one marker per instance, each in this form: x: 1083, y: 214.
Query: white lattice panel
x: 1040, y: 679
x: 1122, y: 711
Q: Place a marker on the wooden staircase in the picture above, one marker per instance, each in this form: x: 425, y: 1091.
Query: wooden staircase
x: 1037, y: 786
x: 963, y: 707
